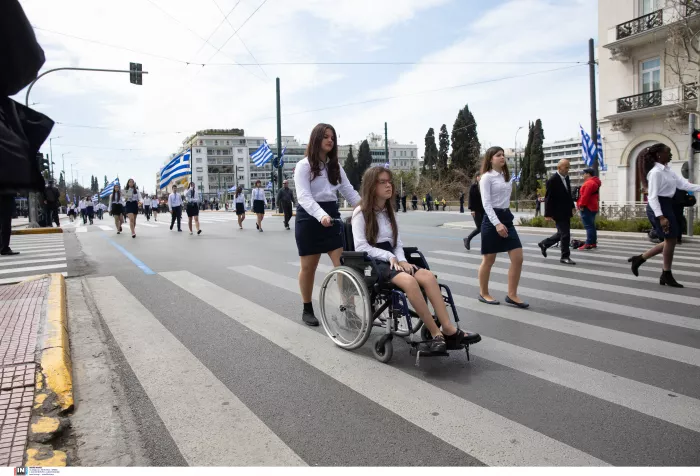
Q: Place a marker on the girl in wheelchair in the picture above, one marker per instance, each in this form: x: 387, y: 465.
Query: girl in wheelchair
x: 376, y: 232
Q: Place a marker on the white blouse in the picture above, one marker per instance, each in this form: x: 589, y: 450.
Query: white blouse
x: 663, y: 182
x: 311, y: 192
x: 190, y: 198
x: 154, y: 203
x: 495, y: 193
x: 385, y: 233
x: 239, y: 199
x: 259, y: 194
x: 118, y: 199
x: 131, y: 195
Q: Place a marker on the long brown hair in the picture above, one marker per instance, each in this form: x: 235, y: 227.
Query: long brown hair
x: 239, y: 189
x: 116, y: 194
x: 487, y: 166
x: 369, y: 204
x: 646, y: 160
x: 314, y: 151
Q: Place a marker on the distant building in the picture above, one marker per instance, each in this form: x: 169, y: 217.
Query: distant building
x: 569, y: 149
x: 402, y: 157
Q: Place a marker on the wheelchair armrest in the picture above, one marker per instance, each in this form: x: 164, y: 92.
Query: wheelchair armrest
x: 359, y: 260
x: 415, y: 257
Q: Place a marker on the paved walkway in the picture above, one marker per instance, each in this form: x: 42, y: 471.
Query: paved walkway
x: 20, y: 313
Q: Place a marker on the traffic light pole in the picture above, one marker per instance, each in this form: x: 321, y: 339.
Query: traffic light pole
x: 691, y: 167
x: 33, y: 196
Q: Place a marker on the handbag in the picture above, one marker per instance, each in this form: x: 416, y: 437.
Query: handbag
x: 22, y: 132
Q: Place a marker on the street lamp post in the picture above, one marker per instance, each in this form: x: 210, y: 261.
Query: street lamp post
x: 63, y: 163
x: 515, y: 158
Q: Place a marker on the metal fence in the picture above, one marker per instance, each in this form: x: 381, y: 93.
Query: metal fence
x: 623, y: 210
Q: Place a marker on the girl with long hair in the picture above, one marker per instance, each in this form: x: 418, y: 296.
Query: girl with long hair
x: 192, y: 207
x: 318, y: 177
x: 239, y: 200
x: 131, y: 195
x: 116, y: 207
x: 259, y: 204
x: 661, y: 183
x: 154, y: 207
x: 498, y: 234
x: 376, y: 232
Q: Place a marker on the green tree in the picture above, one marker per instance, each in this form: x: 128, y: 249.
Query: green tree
x: 61, y: 182
x: 466, y: 148
x: 364, y: 159
x: 430, y: 157
x: 350, y: 167
x: 106, y: 182
x: 444, y: 148
x: 525, y: 185
x: 537, y: 167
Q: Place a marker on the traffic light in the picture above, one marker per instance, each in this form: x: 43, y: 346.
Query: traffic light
x: 135, y: 73
x: 275, y: 163
x: 43, y: 162
x: 695, y: 140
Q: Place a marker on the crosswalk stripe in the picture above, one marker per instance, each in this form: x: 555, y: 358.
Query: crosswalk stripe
x: 679, y: 251
x: 647, y: 293
x: 148, y: 225
x: 31, y: 261
x: 241, y: 438
x: 15, y: 241
x: 500, y: 441
x: 39, y: 247
x: 17, y: 279
x: 33, y: 268
x: 602, y: 252
x: 105, y: 228
x: 587, y: 260
x: 10, y: 259
x: 622, y: 259
x: 25, y: 251
x: 81, y: 229
x: 667, y: 350
x: 647, y: 399
x: 644, y: 242
x: 573, y: 270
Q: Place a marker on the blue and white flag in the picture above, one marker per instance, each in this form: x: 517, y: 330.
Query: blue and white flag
x: 95, y: 198
x: 109, y: 188
x: 176, y: 168
x: 588, y: 148
x: 262, y: 156
x: 601, y: 162
x: 281, y: 164
x: 269, y: 186
x: 516, y: 179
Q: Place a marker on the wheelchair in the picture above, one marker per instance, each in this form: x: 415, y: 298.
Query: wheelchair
x: 353, y: 300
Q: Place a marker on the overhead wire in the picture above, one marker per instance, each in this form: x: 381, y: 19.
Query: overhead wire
x: 238, y: 29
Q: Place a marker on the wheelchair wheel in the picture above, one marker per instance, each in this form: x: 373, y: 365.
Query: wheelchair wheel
x: 346, y: 313
x: 383, y: 348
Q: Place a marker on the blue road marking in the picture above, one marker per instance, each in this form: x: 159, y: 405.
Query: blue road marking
x: 133, y: 258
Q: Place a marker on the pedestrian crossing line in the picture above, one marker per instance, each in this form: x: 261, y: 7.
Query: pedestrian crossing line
x: 26, y: 251
x: 638, y: 396
x: 30, y: 241
x: 242, y: 439
x: 41, y: 247
x: 586, y: 260
x: 645, y: 345
x: 148, y: 225
x: 645, y: 242
x: 81, y: 229
x: 33, y: 268
x: 492, y: 439
x: 31, y: 261
x: 10, y: 259
x: 105, y: 228
x: 679, y: 252
x: 655, y: 261
x: 613, y: 288
x: 603, y: 253
x: 18, y: 279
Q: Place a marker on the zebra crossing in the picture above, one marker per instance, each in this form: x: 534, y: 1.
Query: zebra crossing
x: 108, y: 224
x: 38, y: 254
x: 617, y: 384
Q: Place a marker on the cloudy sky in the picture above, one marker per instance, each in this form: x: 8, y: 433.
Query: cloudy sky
x: 510, y: 61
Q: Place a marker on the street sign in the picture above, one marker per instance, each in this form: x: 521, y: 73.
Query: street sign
x: 135, y: 76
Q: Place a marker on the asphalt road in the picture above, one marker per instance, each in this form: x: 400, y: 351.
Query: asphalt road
x: 215, y: 367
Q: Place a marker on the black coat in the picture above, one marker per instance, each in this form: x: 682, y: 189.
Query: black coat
x: 475, y: 204
x: 558, y: 202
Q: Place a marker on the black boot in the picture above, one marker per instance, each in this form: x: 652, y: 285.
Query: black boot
x: 667, y: 279
x: 636, y: 261
x: 308, y: 315
x: 467, y: 243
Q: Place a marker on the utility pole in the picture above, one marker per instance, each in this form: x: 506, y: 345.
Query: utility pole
x: 691, y: 168
x: 386, y: 143
x: 594, y: 114
x: 279, y: 140
x: 515, y: 156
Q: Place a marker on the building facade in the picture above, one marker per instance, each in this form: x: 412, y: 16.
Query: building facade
x: 569, y: 149
x: 645, y: 91
x: 402, y: 157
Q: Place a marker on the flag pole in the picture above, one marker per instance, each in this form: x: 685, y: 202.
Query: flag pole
x: 594, y: 115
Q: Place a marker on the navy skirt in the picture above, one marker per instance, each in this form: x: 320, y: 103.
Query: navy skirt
x: 667, y: 210
x: 491, y: 241
x: 259, y: 206
x: 240, y: 208
x: 192, y: 210
x: 314, y: 238
x: 132, y: 207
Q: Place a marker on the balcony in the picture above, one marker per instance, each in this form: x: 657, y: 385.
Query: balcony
x: 651, y: 27
x: 639, y: 101
x: 670, y: 102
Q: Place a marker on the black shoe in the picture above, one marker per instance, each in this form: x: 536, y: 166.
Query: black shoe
x: 179, y: 230
x: 667, y: 279
x: 171, y: 228
x: 8, y: 252
x: 636, y: 261
x: 521, y: 305
x: 567, y: 261
x: 199, y: 232
x: 467, y: 244
x: 257, y: 226
x: 134, y: 235
x: 543, y: 249
x: 482, y: 299
x: 309, y: 318
x: 437, y: 344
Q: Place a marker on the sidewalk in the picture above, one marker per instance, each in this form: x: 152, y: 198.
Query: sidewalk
x: 27, y: 314
x: 575, y: 233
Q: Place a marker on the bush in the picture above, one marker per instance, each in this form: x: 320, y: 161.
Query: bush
x: 639, y: 225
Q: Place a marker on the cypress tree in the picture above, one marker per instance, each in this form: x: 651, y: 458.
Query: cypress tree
x: 430, y: 158
x: 351, y: 169
x: 466, y: 148
x: 444, y: 147
x: 364, y: 159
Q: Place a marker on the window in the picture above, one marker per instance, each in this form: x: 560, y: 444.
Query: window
x: 650, y: 76
x: 413, y: 153
x: 199, y: 160
x: 200, y: 169
x: 649, y: 6
x: 216, y: 142
x: 240, y: 151
x: 228, y: 142
x: 198, y: 151
x: 393, y: 153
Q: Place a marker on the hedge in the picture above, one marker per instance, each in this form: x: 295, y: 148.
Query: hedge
x: 639, y: 225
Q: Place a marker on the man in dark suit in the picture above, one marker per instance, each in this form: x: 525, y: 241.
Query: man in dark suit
x: 559, y: 206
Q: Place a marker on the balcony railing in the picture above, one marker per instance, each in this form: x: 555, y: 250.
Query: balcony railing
x: 690, y: 92
x: 639, y: 101
x: 639, y: 25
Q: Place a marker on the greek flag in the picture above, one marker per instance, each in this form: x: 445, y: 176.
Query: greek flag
x: 176, y: 168
x: 108, y: 189
x: 601, y: 162
x: 95, y: 198
x: 262, y: 156
x: 282, y: 157
x: 588, y: 149
x: 516, y: 179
